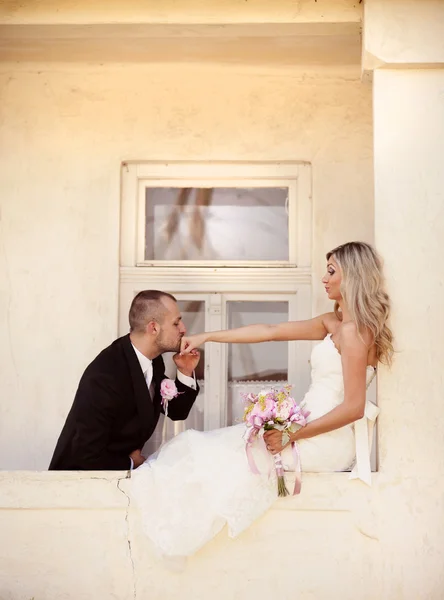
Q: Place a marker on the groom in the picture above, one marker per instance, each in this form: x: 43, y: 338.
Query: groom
x: 118, y: 401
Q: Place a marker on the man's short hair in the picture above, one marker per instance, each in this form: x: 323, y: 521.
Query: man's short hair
x: 147, y: 306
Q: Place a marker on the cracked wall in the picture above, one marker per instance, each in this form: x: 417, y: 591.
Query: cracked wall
x: 78, y: 536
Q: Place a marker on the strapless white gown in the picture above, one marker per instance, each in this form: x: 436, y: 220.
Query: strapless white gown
x: 200, y: 481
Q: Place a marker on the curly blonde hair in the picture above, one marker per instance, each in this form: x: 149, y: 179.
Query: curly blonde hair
x: 362, y: 289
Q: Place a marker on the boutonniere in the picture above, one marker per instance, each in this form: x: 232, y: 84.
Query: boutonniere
x: 168, y: 391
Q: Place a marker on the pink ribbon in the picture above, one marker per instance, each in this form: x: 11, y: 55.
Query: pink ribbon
x: 297, y: 468
x: 296, y: 458
x: 251, y: 463
x: 252, y: 436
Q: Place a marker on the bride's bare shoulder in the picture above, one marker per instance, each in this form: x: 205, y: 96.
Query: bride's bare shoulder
x: 331, y: 322
x: 350, y: 334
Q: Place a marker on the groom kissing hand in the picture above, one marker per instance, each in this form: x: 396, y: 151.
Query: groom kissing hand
x: 187, y: 363
x: 118, y: 401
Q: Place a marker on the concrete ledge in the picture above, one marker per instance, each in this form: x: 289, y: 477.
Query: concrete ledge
x: 62, y: 490
x: 354, y: 532
x: 96, y: 490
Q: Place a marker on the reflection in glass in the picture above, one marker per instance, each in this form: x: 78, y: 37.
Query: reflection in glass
x: 254, y: 366
x: 235, y: 224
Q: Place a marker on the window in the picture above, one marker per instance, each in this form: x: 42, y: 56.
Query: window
x: 227, y: 224
x: 232, y: 242
x: 253, y: 366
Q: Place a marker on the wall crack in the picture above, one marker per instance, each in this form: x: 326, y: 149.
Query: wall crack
x: 367, y: 535
x: 133, y: 570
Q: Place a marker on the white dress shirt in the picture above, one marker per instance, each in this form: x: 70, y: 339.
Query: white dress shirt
x: 147, y: 369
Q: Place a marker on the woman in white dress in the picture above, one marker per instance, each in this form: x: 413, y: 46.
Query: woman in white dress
x: 200, y: 481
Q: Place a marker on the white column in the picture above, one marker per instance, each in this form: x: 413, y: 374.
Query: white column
x: 404, y: 45
x: 409, y: 222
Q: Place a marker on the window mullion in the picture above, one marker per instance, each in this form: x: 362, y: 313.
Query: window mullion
x: 214, y: 374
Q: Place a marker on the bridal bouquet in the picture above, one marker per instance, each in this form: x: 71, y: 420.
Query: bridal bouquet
x: 274, y: 409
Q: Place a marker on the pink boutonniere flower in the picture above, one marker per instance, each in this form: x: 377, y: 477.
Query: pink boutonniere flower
x: 168, y: 391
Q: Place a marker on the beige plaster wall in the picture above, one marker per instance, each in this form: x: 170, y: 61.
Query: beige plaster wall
x: 186, y: 11
x: 65, y: 131
x: 403, y: 32
x: 79, y: 537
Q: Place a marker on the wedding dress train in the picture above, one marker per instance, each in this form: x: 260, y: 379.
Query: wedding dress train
x: 200, y: 481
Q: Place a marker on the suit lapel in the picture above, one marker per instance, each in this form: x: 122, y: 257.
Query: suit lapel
x: 142, y: 396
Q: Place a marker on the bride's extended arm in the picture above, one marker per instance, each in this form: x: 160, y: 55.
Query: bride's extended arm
x: 354, y: 354
x: 312, y: 329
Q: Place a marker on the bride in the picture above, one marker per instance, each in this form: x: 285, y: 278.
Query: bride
x: 200, y: 481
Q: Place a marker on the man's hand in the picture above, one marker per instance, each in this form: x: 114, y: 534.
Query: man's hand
x: 186, y: 363
x: 137, y: 458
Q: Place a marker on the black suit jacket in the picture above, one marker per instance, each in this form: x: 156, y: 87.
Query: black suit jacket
x: 113, y: 413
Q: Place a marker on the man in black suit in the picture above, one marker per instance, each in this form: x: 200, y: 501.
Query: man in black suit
x: 118, y: 402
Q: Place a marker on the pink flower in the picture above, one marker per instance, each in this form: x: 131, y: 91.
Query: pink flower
x: 299, y: 417
x: 168, y: 389
x: 255, y: 421
x: 265, y: 409
x: 285, y: 408
x: 249, y: 398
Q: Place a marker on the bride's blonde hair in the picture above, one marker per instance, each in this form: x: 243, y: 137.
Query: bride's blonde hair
x: 362, y: 289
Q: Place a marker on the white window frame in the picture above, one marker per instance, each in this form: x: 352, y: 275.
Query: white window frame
x: 298, y: 367
x: 136, y: 177
x: 219, y: 282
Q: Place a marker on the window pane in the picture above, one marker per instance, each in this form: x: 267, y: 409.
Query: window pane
x: 252, y: 366
x: 193, y: 315
x: 233, y: 224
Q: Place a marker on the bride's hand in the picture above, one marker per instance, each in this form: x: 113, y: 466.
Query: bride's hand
x: 190, y: 342
x: 273, y: 441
